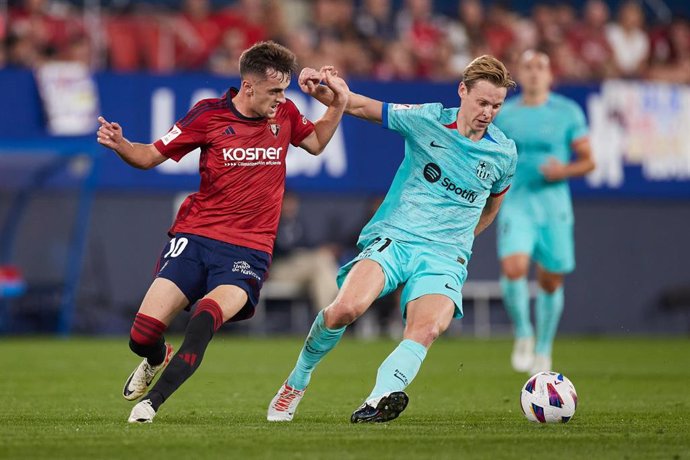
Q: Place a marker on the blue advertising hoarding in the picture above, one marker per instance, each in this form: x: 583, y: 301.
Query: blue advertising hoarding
x: 636, y: 129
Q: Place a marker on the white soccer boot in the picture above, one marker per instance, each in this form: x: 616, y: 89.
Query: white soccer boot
x: 542, y: 363
x: 143, y: 412
x: 284, y: 404
x: 139, y: 380
x: 522, y: 358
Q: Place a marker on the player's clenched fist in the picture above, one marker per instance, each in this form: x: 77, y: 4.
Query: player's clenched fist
x: 335, y: 83
x: 335, y: 90
x: 309, y: 80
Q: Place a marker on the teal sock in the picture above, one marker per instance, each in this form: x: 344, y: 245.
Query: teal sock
x: 516, y: 301
x: 399, y: 369
x: 548, y: 314
x: 319, y: 342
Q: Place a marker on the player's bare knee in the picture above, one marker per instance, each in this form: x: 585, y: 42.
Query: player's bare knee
x: 515, y: 267
x: 514, y: 271
x: 550, y: 284
x: 425, y: 335
x: 341, y: 313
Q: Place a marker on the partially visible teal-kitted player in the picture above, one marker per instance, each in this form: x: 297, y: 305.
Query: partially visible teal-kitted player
x: 536, y: 219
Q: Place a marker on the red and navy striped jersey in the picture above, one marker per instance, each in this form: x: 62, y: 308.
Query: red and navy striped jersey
x: 242, y: 168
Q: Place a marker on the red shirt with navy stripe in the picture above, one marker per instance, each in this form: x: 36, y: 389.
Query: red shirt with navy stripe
x: 242, y: 168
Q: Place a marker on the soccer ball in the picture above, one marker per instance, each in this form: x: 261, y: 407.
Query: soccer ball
x: 548, y: 397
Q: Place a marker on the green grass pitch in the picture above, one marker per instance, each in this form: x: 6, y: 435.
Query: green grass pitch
x: 61, y: 399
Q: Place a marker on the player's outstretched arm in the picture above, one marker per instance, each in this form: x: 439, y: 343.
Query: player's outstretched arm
x: 493, y: 204
x: 357, y: 105
x: 325, y: 127
x: 141, y: 156
x: 365, y: 108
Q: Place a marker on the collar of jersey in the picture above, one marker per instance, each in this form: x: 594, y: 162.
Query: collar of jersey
x: 229, y: 95
x: 487, y: 136
x: 538, y: 106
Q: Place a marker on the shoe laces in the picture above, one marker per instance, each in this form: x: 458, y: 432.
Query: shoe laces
x: 147, y: 402
x: 286, y: 397
x: 149, y: 371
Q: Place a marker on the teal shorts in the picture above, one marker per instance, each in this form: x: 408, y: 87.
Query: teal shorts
x: 551, y: 245
x: 417, y: 267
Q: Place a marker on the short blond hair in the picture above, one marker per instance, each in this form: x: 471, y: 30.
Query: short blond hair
x: 487, y: 68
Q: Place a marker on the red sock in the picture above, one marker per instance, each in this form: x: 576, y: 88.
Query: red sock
x: 212, y: 307
x: 146, y: 338
x: 147, y: 330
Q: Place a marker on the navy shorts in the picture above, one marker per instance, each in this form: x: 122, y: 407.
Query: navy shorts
x: 197, y: 265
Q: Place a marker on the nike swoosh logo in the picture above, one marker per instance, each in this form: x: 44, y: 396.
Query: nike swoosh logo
x: 448, y: 286
x: 434, y: 144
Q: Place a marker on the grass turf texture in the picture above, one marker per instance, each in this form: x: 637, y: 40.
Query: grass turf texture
x: 61, y: 399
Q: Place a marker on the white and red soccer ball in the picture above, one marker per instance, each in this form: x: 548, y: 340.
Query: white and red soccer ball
x: 548, y: 397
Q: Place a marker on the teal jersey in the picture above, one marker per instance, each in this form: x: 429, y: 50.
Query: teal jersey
x: 443, y: 182
x: 540, y: 132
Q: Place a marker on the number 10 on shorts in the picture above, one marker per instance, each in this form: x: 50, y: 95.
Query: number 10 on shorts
x: 177, y: 245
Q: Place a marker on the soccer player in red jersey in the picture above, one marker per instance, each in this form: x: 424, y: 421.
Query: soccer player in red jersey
x: 223, y: 235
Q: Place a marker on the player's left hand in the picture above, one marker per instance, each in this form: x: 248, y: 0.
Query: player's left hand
x: 553, y: 170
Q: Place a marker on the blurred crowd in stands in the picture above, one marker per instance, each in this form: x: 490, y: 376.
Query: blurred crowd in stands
x: 362, y: 38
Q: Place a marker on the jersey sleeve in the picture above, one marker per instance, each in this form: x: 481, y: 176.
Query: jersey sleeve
x: 577, y: 128
x: 503, y: 183
x: 186, y: 135
x: 405, y: 118
x: 301, y: 126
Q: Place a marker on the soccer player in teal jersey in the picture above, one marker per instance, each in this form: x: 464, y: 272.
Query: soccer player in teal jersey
x: 456, y: 168
x: 536, y: 220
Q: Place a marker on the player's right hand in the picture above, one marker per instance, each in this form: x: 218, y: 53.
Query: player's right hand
x: 110, y: 134
x: 553, y: 170
x: 309, y: 80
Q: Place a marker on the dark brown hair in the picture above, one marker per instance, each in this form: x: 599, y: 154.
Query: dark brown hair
x: 267, y: 55
x: 487, y: 68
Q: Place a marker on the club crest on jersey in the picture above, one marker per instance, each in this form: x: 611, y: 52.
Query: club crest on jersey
x: 275, y: 128
x: 174, y: 132
x: 482, y: 170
